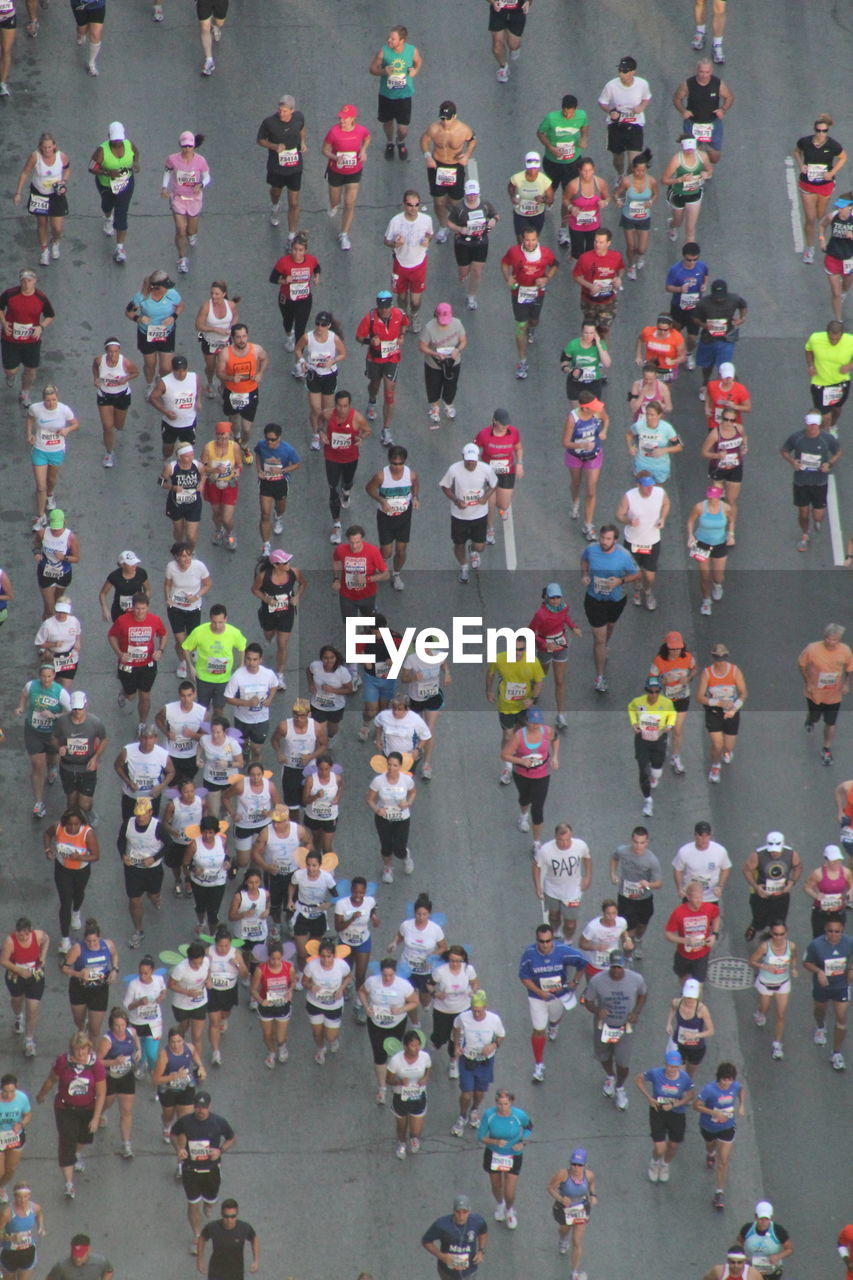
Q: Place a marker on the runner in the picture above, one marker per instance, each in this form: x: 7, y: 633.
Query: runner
x: 48, y: 170
x: 661, y: 344
x: 457, y: 1241
x: 600, y: 935
x: 271, y: 991
x: 391, y: 795
x: 503, y: 1131
x: 718, y: 25
x: 58, y: 640
x: 725, y: 447
x: 49, y: 422
x: 719, y: 316
x: 187, y: 580
x: 115, y: 164
x: 141, y: 846
x: 686, y: 282
x: 826, y: 666
x: 471, y: 221
x: 250, y: 690
x: 396, y: 491
x: 651, y: 718
x: 283, y: 136
x: 585, y: 430
x: 398, y: 728
x: 520, y: 680
x: 615, y: 998
x: 228, y: 1239
x: 599, y: 272
x: 722, y: 691
x: 527, y: 269
x: 676, y: 668
x: 295, y: 273
x: 8, y: 23
x: 447, y: 145
x: 249, y: 907
x: 442, y: 345
x: 585, y: 362
x: 91, y: 966
x: 562, y: 872
x: 668, y: 1089
x: 138, y: 639
x: 250, y: 797
x: 605, y: 570
x: 25, y: 313
x: 500, y: 447
x: 422, y: 938
x: 57, y: 548
x: 212, y: 650
x: 644, y: 511
x: 775, y: 960
x: 342, y: 431
x: 766, y: 1241
x: 183, y: 810
x: 22, y: 955
x: 478, y: 1033
x: 710, y: 535
x: 211, y: 16
x: 345, y: 148
x: 624, y: 100
x: 214, y: 320
x: 689, y: 1026
x: 534, y: 752
x: 41, y: 702
x: 636, y: 870
x: 317, y: 354
x: 325, y: 979
x: 119, y: 1050
x: 383, y: 332
x: 573, y: 1190
x: 829, y: 886
x: 735, y: 1267
x: 184, y: 478
x: 409, y: 234
x: 219, y: 756
x: 704, y: 860
x: 563, y: 135
x: 829, y: 360
x: 177, y: 1070
x: 408, y: 1072
x: 80, y: 739
x: 80, y: 1082
x: 145, y: 770
x: 396, y: 64
x: 820, y: 159
x: 310, y: 892
x: 811, y: 453
x: 694, y: 929
x: 651, y: 439
x: 154, y: 309
x: 240, y: 368
x: 185, y: 176
x: 358, y: 568
x: 702, y: 100
x: 543, y: 971
x: 200, y: 1138
x: 585, y: 195
x: 635, y: 194
x: 838, y: 249
x: 531, y: 193
x: 275, y: 460
x: 424, y: 680
x: 112, y: 374
x: 717, y: 1104
x: 467, y: 486
x: 685, y: 176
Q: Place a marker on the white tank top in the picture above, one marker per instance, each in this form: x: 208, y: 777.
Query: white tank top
x: 253, y: 806
x: 646, y: 533
x: 112, y: 379
x: 143, y: 844
x: 179, y: 398
x: 223, y: 969
x: 54, y: 546
x: 253, y: 928
x: 320, y: 356
x: 44, y: 176
x: 222, y: 325
x: 183, y: 816
x: 323, y: 808
x: 279, y: 850
x: 208, y: 865
x: 297, y: 747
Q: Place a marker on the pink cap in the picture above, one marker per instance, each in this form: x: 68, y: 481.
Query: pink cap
x: 713, y: 491
x: 444, y: 312
x: 280, y: 557
x: 348, y: 112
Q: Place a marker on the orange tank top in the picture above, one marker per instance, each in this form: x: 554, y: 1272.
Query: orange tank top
x: 722, y: 688
x: 241, y: 369
x: 69, y: 847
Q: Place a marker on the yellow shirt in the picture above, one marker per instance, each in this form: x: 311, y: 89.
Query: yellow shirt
x: 516, y: 682
x: 530, y: 195
x: 653, y: 719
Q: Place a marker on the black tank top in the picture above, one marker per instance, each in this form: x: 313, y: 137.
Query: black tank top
x: 189, y: 479
x: 703, y: 99
x: 279, y: 591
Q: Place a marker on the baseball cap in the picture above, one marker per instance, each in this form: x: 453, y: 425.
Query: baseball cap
x: 56, y: 519
x: 533, y: 160
x: 348, y: 112
x: 628, y: 64
x: 78, y: 700
x: 645, y: 479
x: 444, y: 312
x: 653, y: 683
x: 719, y: 650
x: 775, y: 841
x: 691, y: 989
x: 460, y: 1202
x: 287, y: 100
x: 129, y: 557
x: 727, y: 370
x: 841, y: 203
x: 764, y: 1209
x: 27, y: 274
x: 323, y: 318
x: 79, y: 1250
x: 471, y: 453
x: 832, y: 853
x: 719, y: 286
x: 478, y: 999
x: 553, y: 589
x: 187, y: 139
x: 116, y: 132
x: 222, y: 427
x: 812, y: 418
x: 674, y: 640
x: 180, y: 362
x: 578, y: 1156
x: 280, y: 557
x: 202, y: 1099
x: 713, y: 491
x: 384, y: 297
x: 502, y: 416
x: 62, y: 606
x: 446, y: 109
x: 616, y: 957
x: 535, y: 716
x: 688, y: 144
x: 672, y: 1058
x: 472, y: 187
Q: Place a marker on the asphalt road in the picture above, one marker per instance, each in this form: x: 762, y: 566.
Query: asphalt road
x: 314, y: 1166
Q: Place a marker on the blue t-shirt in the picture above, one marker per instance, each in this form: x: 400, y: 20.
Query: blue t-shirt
x: 648, y: 438
x: 275, y: 457
x: 694, y: 276
x: 666, y: 1089
x: 721, y: 1100
x: 157, y: 312
x: 510, y: 1129
x: 607, y: 564
x: 13, y: 1111
x: 834, y: 959
x: 536, y: 966
x: 462, y: 1241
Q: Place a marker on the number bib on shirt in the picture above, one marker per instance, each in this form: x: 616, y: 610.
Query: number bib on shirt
x: 238, y: 399
x: 445, y: 176
x: 119, y: 184
x: 501, y: 1163
x: 703, y: 132
x: 286, y: 157
x: 157, y: 332
x: 37, y: 203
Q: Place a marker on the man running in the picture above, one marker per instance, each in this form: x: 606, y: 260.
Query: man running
x: 829, y: 360
x: 447, y: 145
x: 543, y: 970
x: 615, y: 998
x: 395, y: 489
x: 382, y: 331
x: 240, y: 368
x: 636, y: 871
x: 467, y: 485
x: 652, y: 716
x: 283, y: 137
x: 409, y: 234
x: 25, y: 313
x: 825, y: 666
x: 605, y: 569
x: 811, y: 454
x: 527, y: 268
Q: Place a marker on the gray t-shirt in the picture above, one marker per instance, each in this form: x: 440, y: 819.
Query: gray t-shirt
x: 634, y: 867
x: 441, y: 336
x: 618, y: 999
x: 96, y: 1267
x: 78, y: 740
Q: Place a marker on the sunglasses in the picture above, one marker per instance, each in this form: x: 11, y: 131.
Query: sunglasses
x: 729, y: 419
x: 229, y: 1215
x: 821, y: 129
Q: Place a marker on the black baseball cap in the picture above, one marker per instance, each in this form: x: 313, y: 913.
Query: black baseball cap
x: 179, y: 362
x: 447, y: 110
x: 628, y: 64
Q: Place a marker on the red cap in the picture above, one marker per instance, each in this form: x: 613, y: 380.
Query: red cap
x: 79, y: 1250
x: 348, y: 112
x: 674, y: 640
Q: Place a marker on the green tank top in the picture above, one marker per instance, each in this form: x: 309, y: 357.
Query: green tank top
x: 113, y: 164
x: 692, y: 180
x: 397, y: 83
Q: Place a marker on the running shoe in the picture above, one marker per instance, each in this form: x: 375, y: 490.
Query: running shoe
x: 183, y: 265
x: 216, y: 1058
x: 474, y: 1119
x: 648, y: 807
x: 506, y: 775
x: 698, y: 41
x: 385, y: 437
x: 719, y: 1200
x: 705, y: 607
x: 490, y: 537
x: 808, y: 255
x: 278, y: 525
x: 523, y: 823
x: 654, y: 1170
x: 453, y: 1070
x: 561, y: 722
x: 44, y: 256
x: 716, y: 590
x: 759, y: 1018
x: 826, y: 755
x: 458, y: 1129
x: 387, y: 875
x: 450, y: 411
x: 503, y: 75
x: 471, y: 302
x: 600, y: 685
x: 714, y: 773
x: 389, y: 150
x: 441, y: 235
x: 370, y: 412
x: 275, y: 220
x: 400, y: 1151
x: 209, y: 67
x: 463, y: 575
x: 609, y: 1086
x: 718, y: 56
x: 538, y: 1076
x: 120, y: 254
x: 553, y: 1030
x: 126, y: 1152
x: 283, y: 1053
x: 777, y: 1053
x: 397, y: 582
x: 511, y: 1219
x: 109, y: 459
x: 335, y: 535
x: 521, y: 370
x: 728, y: 757
x: 819, y: 1036
x: 426, y: 772
x: 663, y: 1172
x: 344, y: 241
x: 39, y: 809
x: 402, y: 151
x: 216, y: 32
x: 269, y: 1061
x: 19, y: 1024
x: 563, y: 237
x: 837, y: 1061
x: 29, y: 1047
x: 408, y: 865
x: 475, y: 559
x: 500, y: 1212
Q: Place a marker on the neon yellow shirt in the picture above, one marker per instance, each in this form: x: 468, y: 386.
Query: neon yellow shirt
x: 214, y: 651
x: 516, y: 681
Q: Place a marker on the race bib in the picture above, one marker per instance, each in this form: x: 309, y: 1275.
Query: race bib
x: 118, y: 1069
x: 632, y: 889
x: 425, y: 690
x: 397, y: 81
x: 9, y: 1138
x: 459, y: 1258
x: 64, y: 661
x: 638, y: 550
x: 611, y: 1035
x: 77, y: 746
x: 553, y: 982
x: 601, y: 586
x: 814, y: 172
x: 501, y: 1163
x: 699, y: 553
x: 388, y: 347
x: 810, y: 461
x: 702, y: 132
x: 527, y: 293
x: 299, y: 289
x: 692, y: 182
x: 515, y: 691
x: 137, y: 652
x: 832, y: 395
x: 37, y: 203
x: 445, y: 176
x: 355, y: 935
x: 529, y: 207
x: 198, y: 1150
x: 686, y: 1035
x: 687, y: 301
x: 411, y: 1092
x: 847, y: 267
x: 772, y: 887
x: 382, y: 1016
x: 341, y: 440
x: 286, y: 157
x: 185, y: 495
x: 832, y: 902
x: 566, y: 150
x: 324, y: 995
x: 40, y: 719
x: 238, y: 399
x: 22, y: 332
x: 585, y: 217
x: 346, y: 159
x: 322, y: 810
x: 637, y: 209
x: 157, y: 332
x: 120, y: 183
x: 224, y: 981
x: 717, y: 328
x: 827, y: 680
x: 575, y: 1213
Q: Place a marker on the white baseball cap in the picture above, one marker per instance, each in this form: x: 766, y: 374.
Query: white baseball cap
x: 129, y: 557
x: 471, y: 453
x: 727, y: 370
x: 775, y: 841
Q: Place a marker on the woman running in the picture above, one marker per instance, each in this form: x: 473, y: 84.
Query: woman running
x: 207, y: 863
x: 112, y: 374
x: 272, y: 992
x: 249, y: 800
x: 91, y: 967
x: 635, y: 194
x: 534, y: 752
x: 330, y: 683
x: 424, y: 681
x: 72, y: 845
x: 187, y: 982
x: 355, y: 920
x: 296, y: 273
x: 387, y: 1000
x: 80, y: 1082
x: 49, y: 423
x: 585, y: 361
x: 119, y: 1050
x: 310, y: 893
x: 183, y: 478
x: 500, y: 446
x: 219, y: 757
x: 213, y: 324
x: 725, y: 447
x: 685, y: 177
x: 279, y: 586
x: 551, y: 624
x: 15, y: 1114
x: 408, y: 1072
x: 227, y: 968
x: 144, y: 1000
x: 647, y: 388
x: 573, y: 1192
x: 717, y: 1104
x: 21, y: 1222
x: 155, y: 309
x: 421, y: 938
x: 709, y: 536
x: 819, y: 159
x: 503, y: 1131
x: 250, y: 910
x: 838, y: 250
x: 222, y: 459
x: 23, y: 955
x: 273, y: 855
x: 321, y: 799
x: 297, y: 741
x: 775, y: 960
x: 183, y: 809
x: 441, y: 344
x: 185, y: 176
x: 454, y: 983
x: 185, y: 582
x: 583, y: 435
x: 583, y: 200
x: 675, y: 667
x: 58, y: 641
x: 830, y: 888
x: 391, y: 795
x: 48, y: 170
x: 722, y: 692
x: 689, y: 1026
x: 325, y: 979
x: 176, y: 1073
x: 317, y: 355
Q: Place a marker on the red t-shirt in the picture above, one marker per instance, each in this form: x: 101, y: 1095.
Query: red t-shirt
x: 550, y: 626
x: 387, y: 349
x: 357, y: 568
x: 138, y: 639
x: 695, y: 925
x: 343, y: 439
x: 526, y: 271
x: 301, y: 277
x: 715, y: 396
x: 346, y: 145
x: 76, y: 1086
x: 26, y: 309
x: 598, y: 266
x: 499, y: 451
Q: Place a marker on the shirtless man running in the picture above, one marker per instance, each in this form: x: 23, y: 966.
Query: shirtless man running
x: 447, y: 145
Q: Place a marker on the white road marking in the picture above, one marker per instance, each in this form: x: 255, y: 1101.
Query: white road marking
x: 794, y: 201
x: 509, y: 540
x: 834, y: 517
